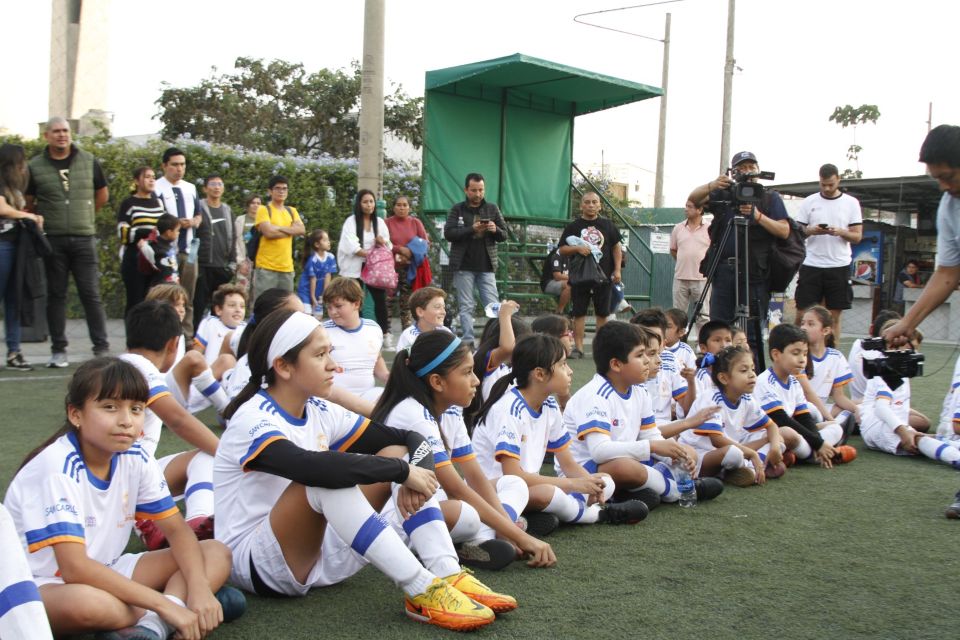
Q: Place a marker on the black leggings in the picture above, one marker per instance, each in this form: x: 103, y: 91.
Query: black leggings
x: 379, y: 305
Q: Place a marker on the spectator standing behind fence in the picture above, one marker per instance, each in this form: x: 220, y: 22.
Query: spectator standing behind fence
x: 243, y: 232
x: 136, y: 218
x: 217, y: 257
x: 689, y: 241
x: 360, y: 233
x: 277, y: 224
x: 473, y: 229
x: 404, y: 228
x: 13, y: 180
x: 67, y: 187
x: 179, y: 198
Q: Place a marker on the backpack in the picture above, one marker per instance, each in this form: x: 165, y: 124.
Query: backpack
x: 378, y: 269
x: 253, y: 242
x: 787, y: 256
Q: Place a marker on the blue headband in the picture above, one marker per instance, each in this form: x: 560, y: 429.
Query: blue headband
x: 436, y: 362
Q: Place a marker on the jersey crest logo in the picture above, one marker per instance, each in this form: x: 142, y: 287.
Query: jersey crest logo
x: 322, y: 444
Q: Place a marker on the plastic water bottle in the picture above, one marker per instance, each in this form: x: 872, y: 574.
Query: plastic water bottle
x: 492, y: 310
x: 551, y: 244
x: 688, y: 490
x: 193, y: 250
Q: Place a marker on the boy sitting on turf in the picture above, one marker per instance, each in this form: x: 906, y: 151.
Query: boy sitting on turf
x: 428, y: 309
x: 666, y: 385
x: 153, y: 331
x: 714, y: 336
x: 356, y: 341
x: 782, y: 399
x: 610, y: 420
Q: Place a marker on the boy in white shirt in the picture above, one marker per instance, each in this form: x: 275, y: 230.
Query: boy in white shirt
x: 356, y: 341
x: 428, y: 309
x: 675, y: 338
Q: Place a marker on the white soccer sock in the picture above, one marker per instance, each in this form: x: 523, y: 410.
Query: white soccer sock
x: 803, y: 450
x: 671, y: 492
x: 832, y: 433
x: 151, y: 620
x: 210, y: 388
x: 355, y: 521
x: 656, y: 481
x: 514, y: 494
x: 567, y: 507
x: 764, y: 451
x: 468, y: 524
x: 938, y: 450
x: 430, y: 539
x: 591, y: 513
x: 198, y: 494
x: 733, y: 458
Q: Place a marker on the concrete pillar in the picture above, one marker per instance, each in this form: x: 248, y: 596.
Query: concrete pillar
x: 370, y: 173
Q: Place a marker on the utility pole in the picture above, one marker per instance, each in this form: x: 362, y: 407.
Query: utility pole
x: 662, y: 138
x: 370, y: 172
x: 727, y: 90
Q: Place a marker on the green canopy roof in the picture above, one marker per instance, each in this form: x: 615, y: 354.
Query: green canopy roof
x: 548, y: 85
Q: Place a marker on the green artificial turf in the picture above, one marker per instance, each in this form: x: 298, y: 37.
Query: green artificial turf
x: 862, y: 551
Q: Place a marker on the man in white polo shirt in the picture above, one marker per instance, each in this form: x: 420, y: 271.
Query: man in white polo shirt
x: 689, y: 241
x: 833, y: 222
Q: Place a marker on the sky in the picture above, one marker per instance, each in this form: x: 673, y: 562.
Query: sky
x: 796, y: 60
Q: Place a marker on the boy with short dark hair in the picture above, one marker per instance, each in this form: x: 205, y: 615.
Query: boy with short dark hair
x: 428, y: 309
x: 666, y: 385
x: 160, y: 253
x: 356, y: 341
x: 714, y: 336
x: 675, y: 338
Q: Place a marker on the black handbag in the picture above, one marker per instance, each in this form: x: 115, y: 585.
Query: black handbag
x: 584, y: 270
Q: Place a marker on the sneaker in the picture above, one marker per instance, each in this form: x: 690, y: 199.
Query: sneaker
x: 626, y: 512
x: 708, y: 488
x: 849, y: 425
x: 128, y: 633
x: 540, y: 524
x: 844, y: 453
x: 232, y: 601
x: 740, y: 477
x: 789, y: 459
x: 491, y: 555
x: 953, y: 511
x: 15, y: 361
x: 575, y: 354
x: 468, y: 585
x: 648, y: 497
x: 101, y: 353
x: 388, y: 341
x: 444, y: 606
x: 58, y: 360
x: 774, y: 471
x: 150, y: 535
x: 202, y: 527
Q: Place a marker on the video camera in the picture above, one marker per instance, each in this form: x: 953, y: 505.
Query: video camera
x: 744, y: 190
x: 893, y: 366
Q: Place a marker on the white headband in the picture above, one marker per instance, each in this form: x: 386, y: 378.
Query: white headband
x: 291, y: 333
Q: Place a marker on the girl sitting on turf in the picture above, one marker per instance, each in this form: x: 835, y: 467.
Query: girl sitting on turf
x: 831, y: 371
x: 740, y: 424
x: 561, y: 328
x: 290, y: 463
x: 74, y: 502
x: 427, y: 385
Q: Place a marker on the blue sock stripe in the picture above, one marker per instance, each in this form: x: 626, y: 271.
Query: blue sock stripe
x: 581, y: 505
x: 940, y: 450
x: 212, y: 389
x: 667, y: 477
x: 422, y: 517
x: 763, y: 456
x: 17, y: 594
x: 199, y: 486
x: 372, y: 528
x: 510, y: 511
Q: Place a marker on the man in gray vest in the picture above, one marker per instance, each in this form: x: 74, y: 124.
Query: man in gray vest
x: 67, y: 187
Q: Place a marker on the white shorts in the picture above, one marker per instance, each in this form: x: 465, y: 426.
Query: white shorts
x: 338, y: 561
x: 124, y: 565
x: 877, y: 435
x: 193, y: 403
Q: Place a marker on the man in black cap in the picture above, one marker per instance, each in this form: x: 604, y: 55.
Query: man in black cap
x: 767, y: 221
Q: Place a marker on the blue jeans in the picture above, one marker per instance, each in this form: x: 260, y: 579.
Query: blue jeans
x: 467, y: 283
x: 11, y: 306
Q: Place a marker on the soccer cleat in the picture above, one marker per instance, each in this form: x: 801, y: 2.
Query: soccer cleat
x: 491, y: 555
x: 15, y: 361
x: 789, y: 458
x: 128, y: 633
x: 540, y: 524
x: 849, y: 424
x: 58, y: 360
x: 202, y: 527
x: 953, y: 511
x: 150, y: 534
x: 232, y: 601
x: 740, y: 477
x: 626, y: 512
x: 648, y: 497
x: 773, y: 471
x: 446, y: 607
x: 468, y: 585
x: 708, y: 488
x: 844, y: 453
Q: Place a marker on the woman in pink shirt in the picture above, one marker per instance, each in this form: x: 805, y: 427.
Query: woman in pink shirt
x: 403, y: 228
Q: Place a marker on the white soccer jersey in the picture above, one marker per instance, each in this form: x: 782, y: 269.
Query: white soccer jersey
x: 210, y: 336
x: 455, y: 433
x: 878, y: 391
x: 665, y: 388
x: 157, y: 382
x: 409, y: 336
x: 244, y: 497
x: 775, y: 394
x: 741, y: 422
x: 705, y: 386
x: 356, y: 351
x: 55, y: 499
x: 832, y: 370
x: 841, y: 212
x: 234, y: 380
x: 598, y: 408
x: 413, y: 416
x: 684, y: 355
x: 950, y: 414
x: 512, y: 428
x: 490, y: 378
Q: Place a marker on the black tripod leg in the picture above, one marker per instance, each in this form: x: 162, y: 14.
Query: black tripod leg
x: 711, y: 273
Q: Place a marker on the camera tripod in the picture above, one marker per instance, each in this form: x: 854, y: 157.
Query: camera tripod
x: 742, y: 316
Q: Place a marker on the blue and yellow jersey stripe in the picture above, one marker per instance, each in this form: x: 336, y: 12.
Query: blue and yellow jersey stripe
x: 762, y: 423
x: 885, y: 395
x: 347, y: 441
x: 708, y: 429
x: 54, y: 534
x: 841, y: 380
x: 259, y: 445
x: 157, y: 510
x: 506, y: 449
x: 156, y: 393
x: 559, y: 444
x: 462, y: 454
x: 594, y: 426
x: 648, y: 422
x: 679, y: 393
x: 441, y: 459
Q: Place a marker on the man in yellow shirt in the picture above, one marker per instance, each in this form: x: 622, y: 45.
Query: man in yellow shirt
x: 277, y: 224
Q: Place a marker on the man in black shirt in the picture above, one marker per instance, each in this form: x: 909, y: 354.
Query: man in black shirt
x: 217, y: 256
x: 595, y: 233
x: 473, y: 229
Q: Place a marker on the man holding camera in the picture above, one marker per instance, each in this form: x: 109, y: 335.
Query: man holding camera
x: 766, y: 221
x: 832, y: 222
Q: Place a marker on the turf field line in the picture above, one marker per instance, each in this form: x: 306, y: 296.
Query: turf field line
x: 31, y: 378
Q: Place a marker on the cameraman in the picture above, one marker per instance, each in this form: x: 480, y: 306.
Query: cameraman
x: 767, y: 221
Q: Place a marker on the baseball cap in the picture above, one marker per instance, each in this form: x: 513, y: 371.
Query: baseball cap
x: 742, y: 156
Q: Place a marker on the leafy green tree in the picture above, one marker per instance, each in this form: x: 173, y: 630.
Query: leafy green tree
x: 279, y: 107
x: 850, y: 116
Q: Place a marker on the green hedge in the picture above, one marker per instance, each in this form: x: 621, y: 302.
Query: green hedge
x: 321, y: 189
